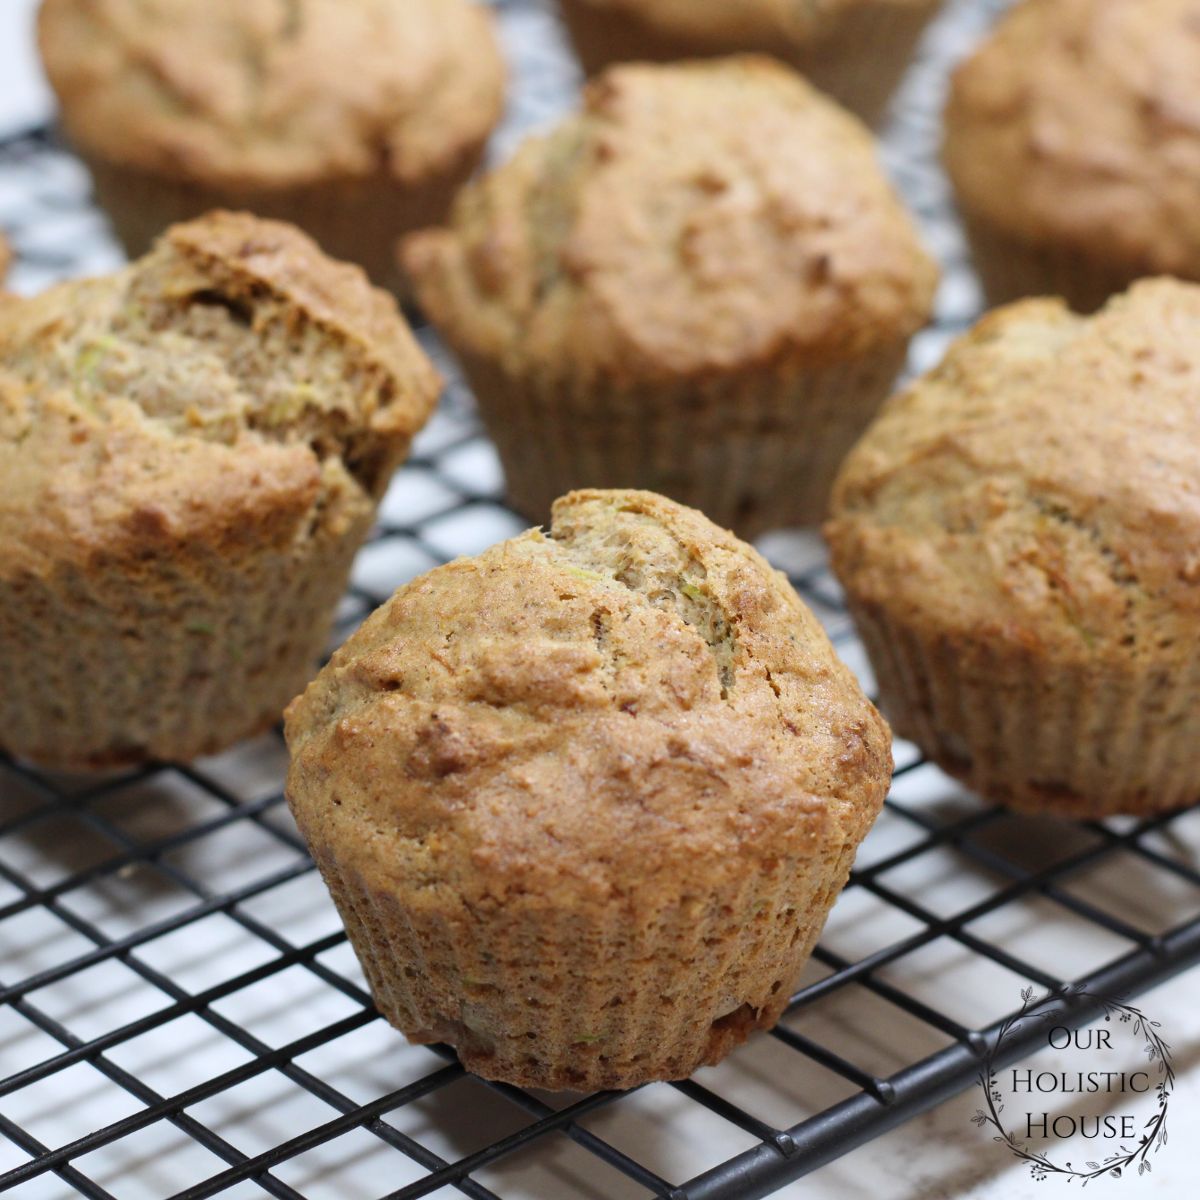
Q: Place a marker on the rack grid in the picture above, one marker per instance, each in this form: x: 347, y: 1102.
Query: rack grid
x: 180, y: 1014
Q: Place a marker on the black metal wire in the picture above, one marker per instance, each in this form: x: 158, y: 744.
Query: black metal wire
x: 29, y: 798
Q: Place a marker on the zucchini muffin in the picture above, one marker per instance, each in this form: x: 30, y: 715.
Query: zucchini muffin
x: 356, y: 121
x: 1019, y: 539
x: 702, y: 284
x: 192, y: 451
x: 856, y: 50
x: 1073, y: 141
x: 585, y: 801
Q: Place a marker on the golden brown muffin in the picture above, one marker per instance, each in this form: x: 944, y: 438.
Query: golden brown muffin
x: 1073, y: 140
x: 584, y: 802
x: 5, y: 258
x: 856, y: 50
x: 191, y: 453
x: 1019, y: 538
x: 702, y: 285
x: 357, y: 121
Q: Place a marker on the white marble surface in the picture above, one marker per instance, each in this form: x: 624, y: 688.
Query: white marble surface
x: 943, y: 1156
x: 940, y: 1154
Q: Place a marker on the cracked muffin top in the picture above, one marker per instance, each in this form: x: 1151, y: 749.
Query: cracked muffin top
x: 235, y: 379
x: 1042, y: 486
x: 747, y: 21
x: 274, y: 93
x: 693, y: 218
x: 1079, y: 120
x: 632, y: 698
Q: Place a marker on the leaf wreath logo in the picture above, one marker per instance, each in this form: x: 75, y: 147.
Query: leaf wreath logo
x: 1154, y: 1132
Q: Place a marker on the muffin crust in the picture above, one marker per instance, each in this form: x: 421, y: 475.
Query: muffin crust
x: 267, y: 93
x: 653, y: 297
x: 183, y: 444
x: 584, y: 801
x: 1026, y: 520
x: 357, y: 121
x: 1077, y: 124
x: 789, y: 245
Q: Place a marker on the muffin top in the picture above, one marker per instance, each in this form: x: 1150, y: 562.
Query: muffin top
x: 233, y: 385
x: 1043, y: 485
x: 274, y: 93
x: 633, y: 702
x: 693, y: 218
x: 746, y: 22
x: 1078, y: 121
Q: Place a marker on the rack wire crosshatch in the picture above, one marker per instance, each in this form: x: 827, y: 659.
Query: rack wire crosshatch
x: 180, y: 1014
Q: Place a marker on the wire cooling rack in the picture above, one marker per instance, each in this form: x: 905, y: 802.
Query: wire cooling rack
x: 180, y: 1015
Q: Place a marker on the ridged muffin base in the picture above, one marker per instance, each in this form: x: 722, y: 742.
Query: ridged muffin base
x: 859, y: 61
x: 357, y: 220
x: 177, y: 655
x: 753, y: 451
x: 1012, y: 268
x: 1072, y: 739
x: 589, y: 997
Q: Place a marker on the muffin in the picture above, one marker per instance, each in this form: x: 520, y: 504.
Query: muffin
x: 856, y: 50
x: 192, y: 451
x: 1019, y: 539
x: 5, y: 258
x: 356, y: 121
x: 1073, y: 141
x: 702, y: 284
x: 584, y: 802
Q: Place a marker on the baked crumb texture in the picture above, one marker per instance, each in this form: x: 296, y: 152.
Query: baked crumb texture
x: 702, y: 284
x: 855, y: 50
x: 1019, y: 539
x: 192, y: 451
x: 356, y: 121
x: 584, y: 801
x: 1072, y: 141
